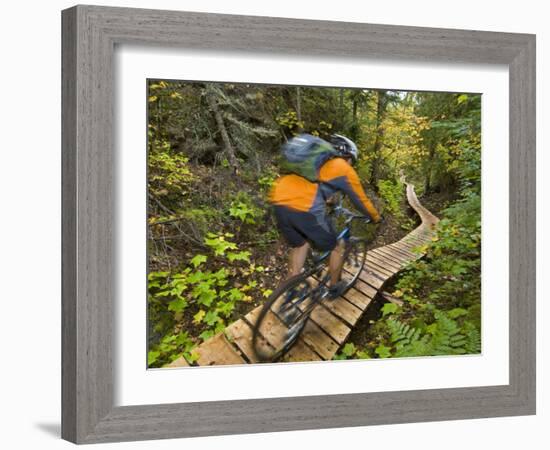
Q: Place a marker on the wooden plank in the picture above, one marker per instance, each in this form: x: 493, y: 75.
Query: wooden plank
x: 217, y: 351
x: 366, y: 277
x: 319, y: 341
x: 273, y: 330
x: 421, y: 231
x: 411, y: 235
x: 393, y: 253
x: 377, y: 267
x: 240, y: 334
x: 421, y: 241
x: 311, y: 335
x: 424, y: 234
x: 345, y: 310
x: 314, y: 335
x: 300, y: 352
x: 391, y: 262
x: 371, y: 279
x: 253, y: 315
x: 394, y: 256
x: 180, y: 362
x: 375, y: 276
x: 372, y: 269
x: 390, y: 298
x: 365, y: 289
x: 405, y: 248
x: 359, y: 299
x: 385, y: 263
x: 412, y: 239
x: 403, y: 259
x: 402, y: 251
x: 411, y: 242
x: 330, y: 324
x: 378, y: 271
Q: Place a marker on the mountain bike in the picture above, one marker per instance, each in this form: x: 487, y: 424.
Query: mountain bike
x: 285, y: 313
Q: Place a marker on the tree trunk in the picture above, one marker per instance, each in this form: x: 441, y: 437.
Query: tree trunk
x: 382, y: 103
x: 228, y: 147
x: 341, y: 118
x: 354, y: 130
x: 427, y: 183
x: 299, y: 109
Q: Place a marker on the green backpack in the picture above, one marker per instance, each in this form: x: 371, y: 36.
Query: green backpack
x: 304, y: 155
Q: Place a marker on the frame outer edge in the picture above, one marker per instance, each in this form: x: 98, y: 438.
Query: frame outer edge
x: 295, y: 36
x: 68, y: 224
x: 89, y: 414
x: 522, y: 283
x: 88, y: 288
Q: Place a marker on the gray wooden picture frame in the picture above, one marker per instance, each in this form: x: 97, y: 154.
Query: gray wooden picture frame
x: 89, y: 37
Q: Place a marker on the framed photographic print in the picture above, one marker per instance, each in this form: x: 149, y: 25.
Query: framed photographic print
x: 285, y: 225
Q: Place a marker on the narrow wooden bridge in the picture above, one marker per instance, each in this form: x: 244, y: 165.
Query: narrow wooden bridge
x: 330, y: 323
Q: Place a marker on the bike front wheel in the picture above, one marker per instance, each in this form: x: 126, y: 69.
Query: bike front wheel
x: 282, y: 319
x: 355, y: 256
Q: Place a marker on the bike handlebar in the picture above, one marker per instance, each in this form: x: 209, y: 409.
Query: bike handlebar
x: 340, y: 210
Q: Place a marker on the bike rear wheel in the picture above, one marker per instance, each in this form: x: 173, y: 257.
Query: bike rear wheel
x: 282, y: 319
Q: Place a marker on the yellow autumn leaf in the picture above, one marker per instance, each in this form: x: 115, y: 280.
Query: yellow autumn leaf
x: 197, y: 318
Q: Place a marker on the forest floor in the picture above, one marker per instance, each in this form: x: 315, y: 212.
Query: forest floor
x: 436, y: 202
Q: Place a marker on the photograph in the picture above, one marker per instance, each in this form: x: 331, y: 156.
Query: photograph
x: 294, y: 224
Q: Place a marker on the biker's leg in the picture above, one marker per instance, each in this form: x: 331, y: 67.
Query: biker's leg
x: 336, y: 262
x: 297, y: 259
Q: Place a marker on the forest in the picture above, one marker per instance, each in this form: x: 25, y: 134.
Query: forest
x: 214, y: 251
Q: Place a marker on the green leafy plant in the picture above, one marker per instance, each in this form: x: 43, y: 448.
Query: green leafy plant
x: 170, y: 175
x: 444, y: 336
x: 393, y: 194
x: 242, y: 211
x: 244, y: 208
x: 347, y: 352
x: 206, y: 296
x: 219, y: 243
x: 389, y: 308
x: 171, y: 347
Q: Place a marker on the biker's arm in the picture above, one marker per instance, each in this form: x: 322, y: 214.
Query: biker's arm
x: 343, y: 177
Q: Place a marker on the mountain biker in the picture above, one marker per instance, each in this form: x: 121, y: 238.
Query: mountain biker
x: 300, y: 209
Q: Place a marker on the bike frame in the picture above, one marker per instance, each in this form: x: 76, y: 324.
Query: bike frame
x: 345, y: 234
x: 315, y: 293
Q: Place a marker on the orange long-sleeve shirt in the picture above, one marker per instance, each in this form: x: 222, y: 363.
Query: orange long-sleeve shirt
x: 335, y: 175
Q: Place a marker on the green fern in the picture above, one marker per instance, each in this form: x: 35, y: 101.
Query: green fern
x: 446, y: 336
x: 407, y: 340
x: 473, y: 338
x: 443, y: 337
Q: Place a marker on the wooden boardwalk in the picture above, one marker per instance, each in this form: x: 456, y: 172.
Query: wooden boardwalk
x: 331, y: 322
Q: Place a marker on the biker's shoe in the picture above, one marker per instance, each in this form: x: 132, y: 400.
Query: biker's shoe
x: 337, y: 290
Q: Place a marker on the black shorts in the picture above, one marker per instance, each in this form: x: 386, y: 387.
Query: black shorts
x: 297, y: 227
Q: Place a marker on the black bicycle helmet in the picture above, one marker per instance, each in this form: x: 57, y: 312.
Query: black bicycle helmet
x: 344, y: 146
